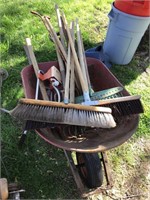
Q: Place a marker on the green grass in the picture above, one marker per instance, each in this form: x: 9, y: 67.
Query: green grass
x: 41, y: 168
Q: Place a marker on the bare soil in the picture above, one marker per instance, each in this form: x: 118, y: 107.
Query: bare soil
x: 131, y: 182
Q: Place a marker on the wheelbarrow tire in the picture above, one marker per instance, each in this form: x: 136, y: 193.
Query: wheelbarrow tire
x: 3, y: 74
x: 90, y: 169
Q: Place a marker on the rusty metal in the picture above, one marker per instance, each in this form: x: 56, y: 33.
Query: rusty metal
x: 107, y: 170
x: 74, y: 170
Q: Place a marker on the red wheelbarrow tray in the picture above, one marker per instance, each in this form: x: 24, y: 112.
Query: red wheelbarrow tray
x: 95, y: 140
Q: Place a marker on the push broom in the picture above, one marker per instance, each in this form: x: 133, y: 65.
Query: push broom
x: 60, y: 113
x: 121, y: 106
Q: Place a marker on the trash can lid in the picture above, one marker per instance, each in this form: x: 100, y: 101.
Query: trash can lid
x: 134, y: 7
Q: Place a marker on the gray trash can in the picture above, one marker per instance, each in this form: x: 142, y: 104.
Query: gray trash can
x: 123, y: 36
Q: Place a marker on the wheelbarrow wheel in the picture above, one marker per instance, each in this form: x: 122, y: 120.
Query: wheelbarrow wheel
x: 3, y: 74
x: 90, y: 169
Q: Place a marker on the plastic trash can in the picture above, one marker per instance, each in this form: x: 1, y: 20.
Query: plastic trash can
x: 123, y: 36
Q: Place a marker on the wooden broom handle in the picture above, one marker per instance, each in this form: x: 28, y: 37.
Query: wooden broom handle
x: 82, y: 107
x: 35, y: 67
x: 67, y: 106
x: 80, y: 74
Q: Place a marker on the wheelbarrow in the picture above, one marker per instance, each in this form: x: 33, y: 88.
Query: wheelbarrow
x: 85, y: 142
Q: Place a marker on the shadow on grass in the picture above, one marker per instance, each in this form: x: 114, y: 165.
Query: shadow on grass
x: 41, y: 169
x: 139, y: 63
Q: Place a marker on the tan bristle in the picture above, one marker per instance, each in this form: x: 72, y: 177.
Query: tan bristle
x: 60, y: 115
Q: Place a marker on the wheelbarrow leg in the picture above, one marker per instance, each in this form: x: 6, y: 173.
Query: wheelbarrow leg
x: 107, y: 169
x: 75, y: 173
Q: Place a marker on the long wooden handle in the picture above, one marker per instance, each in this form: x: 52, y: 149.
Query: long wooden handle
x: 80, y: 74
x: 62, y: 38
x: 61, y: 67
x: 66, y: 95
x: 85, y: 64
x: 80, y: 52
x: 56, y: 39
x: 61, y: 32
x: 35, y: 66
x: 84, y: 107
x: 60, y: 61
x: 72, y: 75
x: 83, y: 58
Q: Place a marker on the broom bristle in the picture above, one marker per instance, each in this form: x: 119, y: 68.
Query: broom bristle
x: 32, y: 125
x: 123, y: 106
x: 61, y: 113
x: 126, y: 108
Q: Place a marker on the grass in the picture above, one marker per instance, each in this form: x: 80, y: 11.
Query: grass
x: 41, y: 168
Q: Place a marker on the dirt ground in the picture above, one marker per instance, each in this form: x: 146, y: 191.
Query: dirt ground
x: 132, y: 182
